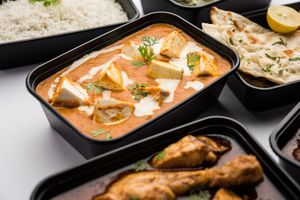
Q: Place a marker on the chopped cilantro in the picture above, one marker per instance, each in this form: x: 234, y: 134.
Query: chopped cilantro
x: 137, y: 90
x: 91, y: 87
x: 134, y: 198
x: 102, y: 131
x: 160, y: 155
x: 294, y: 59
x: 280, y: 42
x: 192, y: 59
x: 149, y: 41
x: 275, y: 58
x: 141, y: 166
x: 268, y: 68
x: 138, y: 63
x: 147, y: 54
x: 46, y: 3
x: 108, y: 136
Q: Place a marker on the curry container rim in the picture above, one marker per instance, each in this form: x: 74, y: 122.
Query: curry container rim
x: 280, y: 131
x: 214, y: 45
x: 239, y: 133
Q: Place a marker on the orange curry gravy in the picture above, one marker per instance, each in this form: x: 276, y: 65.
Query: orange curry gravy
x: 85, y: 123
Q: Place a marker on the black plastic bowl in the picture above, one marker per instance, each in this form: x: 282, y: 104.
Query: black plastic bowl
x: 30, y: 51
x: 285, y: 132
x: 179, y: 114
x: 199, y: 14
x: 101, y: 166
x: 259, y: 98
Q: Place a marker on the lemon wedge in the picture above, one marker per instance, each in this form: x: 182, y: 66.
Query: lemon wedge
x: 283, y: 19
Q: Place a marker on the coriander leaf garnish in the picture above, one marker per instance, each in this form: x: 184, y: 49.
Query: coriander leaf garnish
x: 134, y: 198
x: 147, y: 54
x: 280, y: 42
x: 160, y: 155
x: 139, y: 95
x: 101, y: 131
x: 141, y: 166
x: 136, y: 86
x: 47, y: 3
x: 149, y: 41
x: 138, y: 91
x: 200, y: 195
x: 108, y: 136
x: 138, y: 63
x: 192, y: 59
x: 275, y: 58
x: 91, y: 87
x: 294, y: 59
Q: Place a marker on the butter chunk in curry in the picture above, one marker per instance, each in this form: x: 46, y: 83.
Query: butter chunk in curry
x: 109, y: 92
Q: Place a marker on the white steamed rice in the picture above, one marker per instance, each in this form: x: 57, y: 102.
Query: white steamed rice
x: 22, y: 20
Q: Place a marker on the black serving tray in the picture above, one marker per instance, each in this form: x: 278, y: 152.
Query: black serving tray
x: 258, y: 94
x: 199, y: 14
x: 30, y: 51
x: 101, y: 166
x: 285, y: 132
x: 179, y: 114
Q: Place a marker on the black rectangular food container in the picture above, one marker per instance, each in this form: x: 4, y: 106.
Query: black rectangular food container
x: 30, y: 51
x: 285, y: 132
x: 199, y: 14
x: 249, y: 89
x: 120, y: 158
x: 179, y: 114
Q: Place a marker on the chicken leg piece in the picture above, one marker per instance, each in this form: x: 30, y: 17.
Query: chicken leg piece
x: 158, y: 185
x: 190, y: 151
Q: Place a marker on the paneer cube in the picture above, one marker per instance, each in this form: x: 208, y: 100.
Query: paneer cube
x: 69, y: 94
x: 111, y: 78
x: 202, y: 64
x: 164, y: 70
x: 173, y: 44
x: 130, y: 49
x: 112, y: 111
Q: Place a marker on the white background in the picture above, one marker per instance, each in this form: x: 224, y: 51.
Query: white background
x: 30, y: 150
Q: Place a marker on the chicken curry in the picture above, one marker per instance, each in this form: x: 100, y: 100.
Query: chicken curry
x: 208, y: 167
x: 110, y: 92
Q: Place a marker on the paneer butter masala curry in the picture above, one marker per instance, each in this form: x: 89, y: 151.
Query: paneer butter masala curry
x: 109, y: 92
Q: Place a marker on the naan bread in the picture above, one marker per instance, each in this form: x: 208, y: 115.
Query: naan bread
x: 263, y: 52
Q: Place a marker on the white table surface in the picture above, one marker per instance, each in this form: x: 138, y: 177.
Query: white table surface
x: 31, y: 151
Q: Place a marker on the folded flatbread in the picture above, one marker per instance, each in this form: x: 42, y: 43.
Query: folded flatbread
x: 263, y: 52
